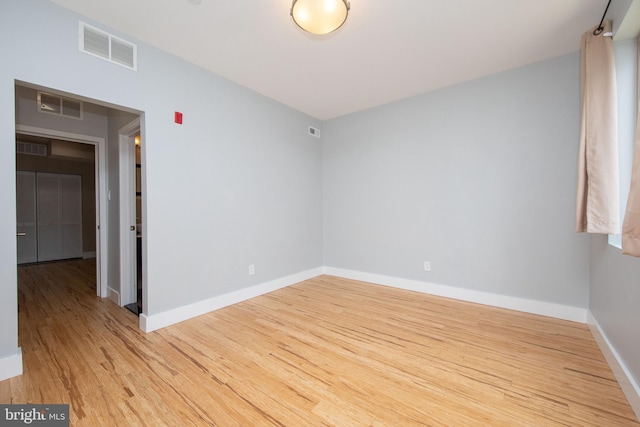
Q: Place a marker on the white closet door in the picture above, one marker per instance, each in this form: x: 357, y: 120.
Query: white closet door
x: 26, y: 217
x: 59, y: 205
x: 71, y: 216
x: 49, y: 238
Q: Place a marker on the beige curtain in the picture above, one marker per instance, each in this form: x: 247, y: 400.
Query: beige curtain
x: 598, y: 201
x: 631, y: 225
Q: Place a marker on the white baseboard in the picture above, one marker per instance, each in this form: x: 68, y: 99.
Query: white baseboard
x: 86, y: 255
x: 11, y: 366
x: 149, y: 323
x: 625, y: 379
x: 113, y: 295
x: 558, y: 311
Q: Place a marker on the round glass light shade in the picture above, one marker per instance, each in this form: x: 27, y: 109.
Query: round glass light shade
x: 319, y: 16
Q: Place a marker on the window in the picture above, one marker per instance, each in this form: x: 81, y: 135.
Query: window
x: 626, y: 75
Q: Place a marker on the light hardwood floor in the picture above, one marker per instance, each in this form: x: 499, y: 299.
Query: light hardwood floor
x: 327, y: 351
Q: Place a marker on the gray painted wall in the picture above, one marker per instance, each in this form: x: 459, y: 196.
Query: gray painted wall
x: 615, y: 278
x: 478, y: 178
x: 615, y: 300
x: 239, y: 183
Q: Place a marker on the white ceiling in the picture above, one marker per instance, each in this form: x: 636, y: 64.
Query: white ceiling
x: 387, y: 50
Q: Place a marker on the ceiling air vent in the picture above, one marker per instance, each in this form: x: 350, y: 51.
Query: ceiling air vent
x: 98, y: 43
x: 314, y: 131
x: 31, y: 149
x: 54, y: 104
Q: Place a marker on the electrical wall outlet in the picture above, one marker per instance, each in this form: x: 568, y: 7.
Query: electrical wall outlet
x: 252, y: 270
x: 427, y: 266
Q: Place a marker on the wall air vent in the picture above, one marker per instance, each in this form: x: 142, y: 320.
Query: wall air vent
x: 31, y: 149
x: 98, y: 43
x: 314, y: 131
x: 54, y: 104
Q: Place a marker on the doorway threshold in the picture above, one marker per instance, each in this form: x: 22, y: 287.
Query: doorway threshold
x: 134, y: 308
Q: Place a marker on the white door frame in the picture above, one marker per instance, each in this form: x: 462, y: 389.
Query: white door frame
x: 101, y: 193
x: 127, y: 199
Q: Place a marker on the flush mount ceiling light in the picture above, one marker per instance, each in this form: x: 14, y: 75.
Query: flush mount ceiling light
x: 319, y: 16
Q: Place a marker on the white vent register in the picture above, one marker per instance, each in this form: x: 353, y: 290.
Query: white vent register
x: 31, y: 149
x: 99, y: 43
x: 60, y: 106
x: 314, y: 131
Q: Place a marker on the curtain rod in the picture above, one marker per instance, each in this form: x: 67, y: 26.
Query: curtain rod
x: 600, y: 27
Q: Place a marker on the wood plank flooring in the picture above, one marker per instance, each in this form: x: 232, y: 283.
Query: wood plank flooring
x: 326, y: 351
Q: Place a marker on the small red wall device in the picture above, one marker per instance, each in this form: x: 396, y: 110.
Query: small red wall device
x: 178, y: 117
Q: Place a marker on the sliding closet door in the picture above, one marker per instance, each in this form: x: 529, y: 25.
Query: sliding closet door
x: 59, y: 204
x: 26, y: 217
x: 70, y: 216
x: 48, y: 216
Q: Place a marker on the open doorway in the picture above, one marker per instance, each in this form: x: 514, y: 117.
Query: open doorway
x: 56, y: 199
x: 131, y: 272
x: 84, y: 132
x: 66, y: 155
